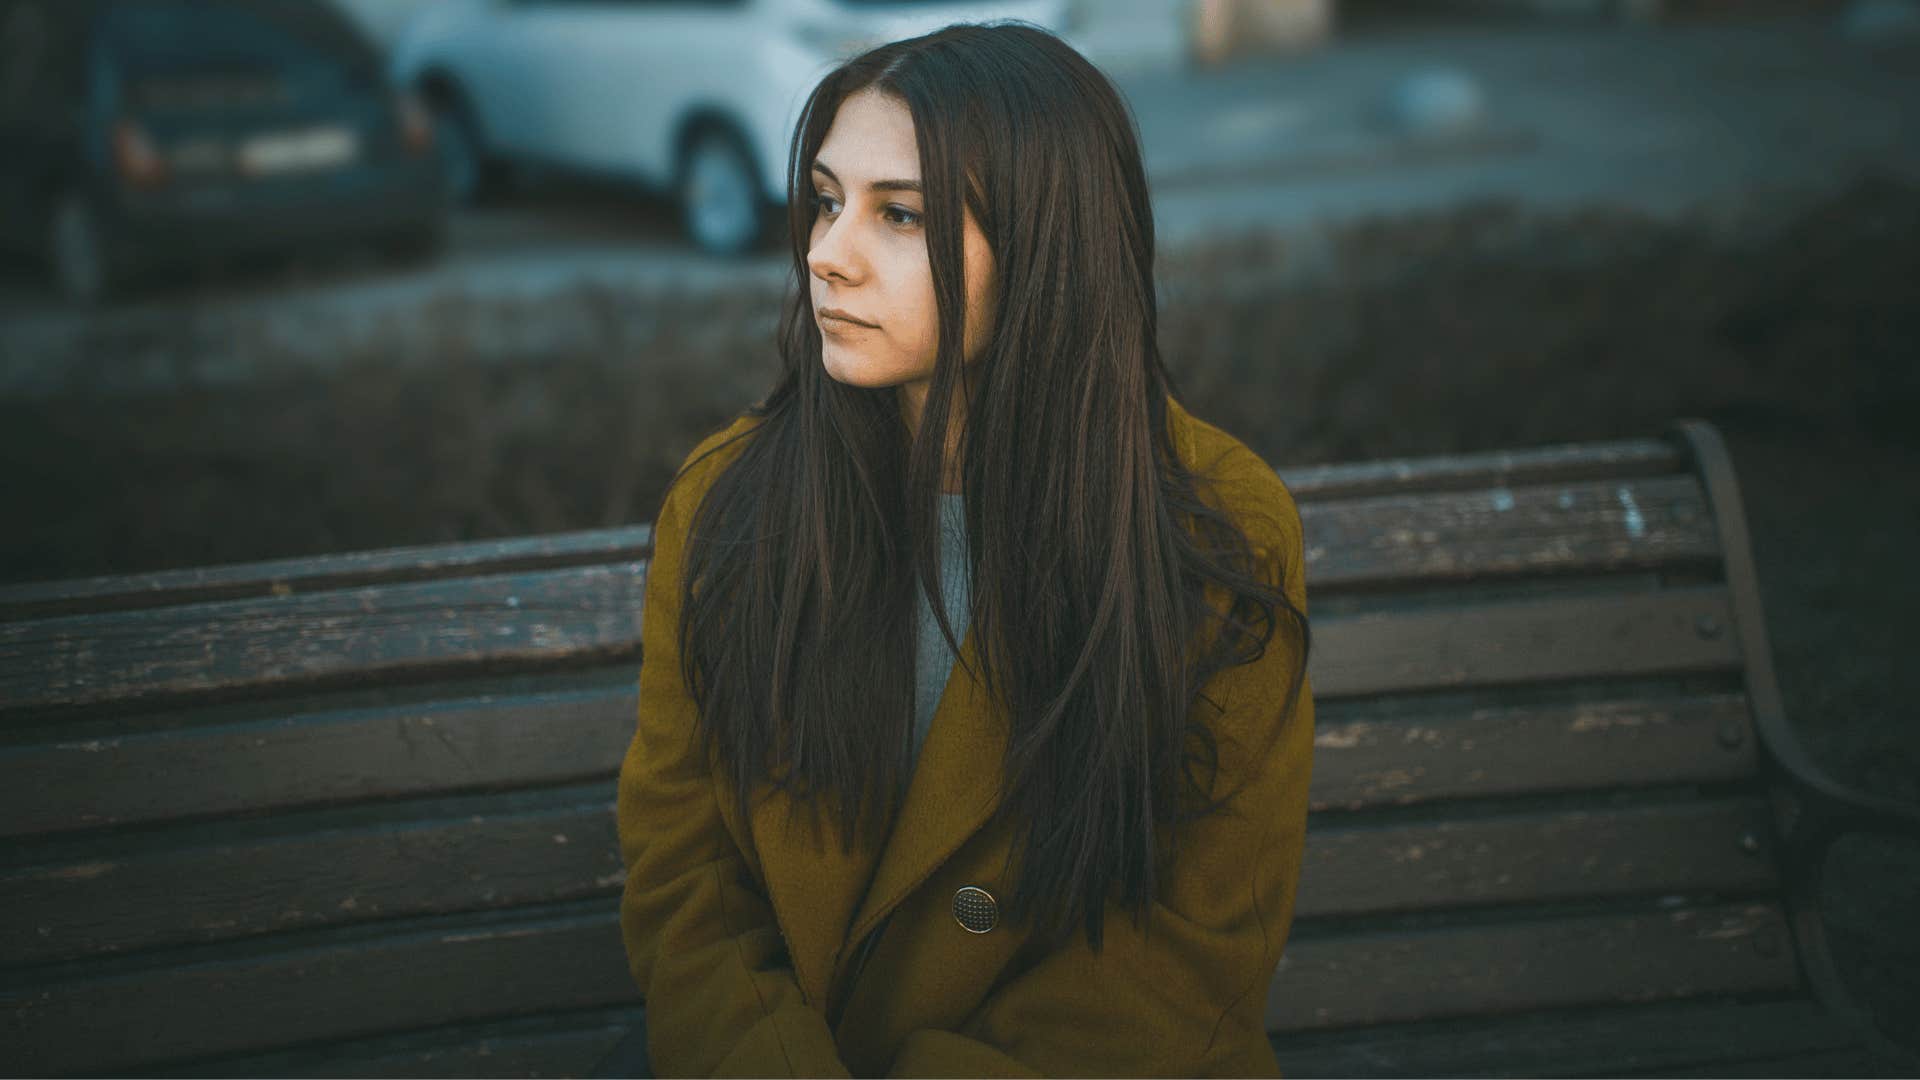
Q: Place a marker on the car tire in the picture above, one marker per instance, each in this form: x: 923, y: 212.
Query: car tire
x: 78, y: 255
x: 721, y: 207
x: 470, y: 175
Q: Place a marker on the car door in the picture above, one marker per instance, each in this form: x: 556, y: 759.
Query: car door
x: 507, y: 65
x: 631, y: 66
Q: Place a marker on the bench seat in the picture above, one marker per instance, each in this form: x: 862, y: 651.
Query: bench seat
x: 352, y: 815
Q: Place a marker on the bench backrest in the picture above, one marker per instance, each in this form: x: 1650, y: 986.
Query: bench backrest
x: 1538, y: 776
x: 352, y: 815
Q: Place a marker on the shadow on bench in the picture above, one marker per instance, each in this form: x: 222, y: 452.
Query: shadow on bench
x: 352, y: 815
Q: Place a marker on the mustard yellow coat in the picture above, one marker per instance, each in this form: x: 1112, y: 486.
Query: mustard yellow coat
x: 739, y: 933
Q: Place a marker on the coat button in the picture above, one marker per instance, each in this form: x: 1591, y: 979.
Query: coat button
x: 975, y: 909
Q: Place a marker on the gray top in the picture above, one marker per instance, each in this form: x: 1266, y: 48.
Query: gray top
x: 934, y: 661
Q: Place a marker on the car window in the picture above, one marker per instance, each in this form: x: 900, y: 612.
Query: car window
x: 202, y: 52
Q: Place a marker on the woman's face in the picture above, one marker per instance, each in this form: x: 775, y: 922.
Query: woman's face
x: 868, y: 254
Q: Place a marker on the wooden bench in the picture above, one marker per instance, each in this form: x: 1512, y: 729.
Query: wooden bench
x: 352, y: 815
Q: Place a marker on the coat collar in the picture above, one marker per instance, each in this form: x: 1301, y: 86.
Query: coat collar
x: 826, y: 900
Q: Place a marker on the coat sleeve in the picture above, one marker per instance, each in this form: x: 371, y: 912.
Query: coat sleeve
x: 701, y: 939
x: 1188, y: 996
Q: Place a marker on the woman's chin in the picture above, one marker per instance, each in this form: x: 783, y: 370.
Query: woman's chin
x: 846, y: 366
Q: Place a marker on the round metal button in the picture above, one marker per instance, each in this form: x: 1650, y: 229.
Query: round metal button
x: 975, y: 909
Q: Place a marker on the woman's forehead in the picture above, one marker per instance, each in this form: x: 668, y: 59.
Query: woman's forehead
x: 871, y: 141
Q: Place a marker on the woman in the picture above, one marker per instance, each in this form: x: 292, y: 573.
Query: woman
x: 1020, y: 641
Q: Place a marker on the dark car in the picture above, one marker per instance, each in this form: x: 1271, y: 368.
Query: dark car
x: 139, y: 134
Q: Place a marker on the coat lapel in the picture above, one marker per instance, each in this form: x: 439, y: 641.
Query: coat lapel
x: 825, y: 900
x: 813, y: 887
x: 954, y: 790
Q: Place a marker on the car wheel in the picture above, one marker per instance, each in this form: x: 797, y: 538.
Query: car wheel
x: 77, y: 250
x: 720, y: 203
x: 462, y: 157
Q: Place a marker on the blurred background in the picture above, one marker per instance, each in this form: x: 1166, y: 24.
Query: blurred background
x: 293, y: 277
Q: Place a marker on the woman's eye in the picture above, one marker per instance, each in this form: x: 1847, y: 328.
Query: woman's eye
x: 895, y: 213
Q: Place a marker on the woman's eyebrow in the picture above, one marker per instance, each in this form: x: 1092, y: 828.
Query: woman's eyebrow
x: 877, y: 185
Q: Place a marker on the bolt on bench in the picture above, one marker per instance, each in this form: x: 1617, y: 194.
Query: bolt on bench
x: 352, y: 815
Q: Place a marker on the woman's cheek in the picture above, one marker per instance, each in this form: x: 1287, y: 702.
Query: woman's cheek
x: 927, y: 344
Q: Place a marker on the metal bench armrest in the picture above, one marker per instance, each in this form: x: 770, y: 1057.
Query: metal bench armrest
x: 1813, y: 810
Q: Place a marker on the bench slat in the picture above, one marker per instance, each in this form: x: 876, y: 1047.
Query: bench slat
x: 453, y: 856
x: 1688, y: 848
x: 317, y: 756
x: 318, y: 573
x: 1845, y: 1061
x: 412, y: 631
x: 1398, y: 976
x: 1563, y: 463
x: 1518, y: 641
x: 1530, y: 749
x: 447, y: 971
x: 1661, y: 1038
x: 1588, y: 527
x: 350, y: 637
x: 323, y: 756
x: 1666, y: 1038
x: 539, y: 847
x: 312, y: 758
x: 567, y: 1044
x: 348, y: 985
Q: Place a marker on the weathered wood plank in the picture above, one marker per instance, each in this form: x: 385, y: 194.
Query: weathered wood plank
x: 434, y: 973
x: 329, y: 638
x: 387, y: 752
x: 1686, y: 1038
x: 464, y: 970
x: 307, y: 759
x: 1518, y: 641
x: 452, y: 856
x: 321, y: 573
x: 568, y: 1044
x: 1394, y: 977
x: 538, y: 847
x: 1716, y: 847
x: 1587, y: 527
x: 1662, y: 1039
x: 1519, y: 750
x: 1839, y: 1062
x: 1565, y: 463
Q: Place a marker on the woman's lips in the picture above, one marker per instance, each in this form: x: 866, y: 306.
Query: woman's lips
x: 833, y: 324
x: 836, y: 319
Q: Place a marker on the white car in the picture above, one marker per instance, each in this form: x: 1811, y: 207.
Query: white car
x: 696, y: 98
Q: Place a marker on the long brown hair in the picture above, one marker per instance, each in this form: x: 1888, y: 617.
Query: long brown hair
x: 1091, y: 548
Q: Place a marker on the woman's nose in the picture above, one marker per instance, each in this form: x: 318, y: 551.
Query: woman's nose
x: 831, y: 256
